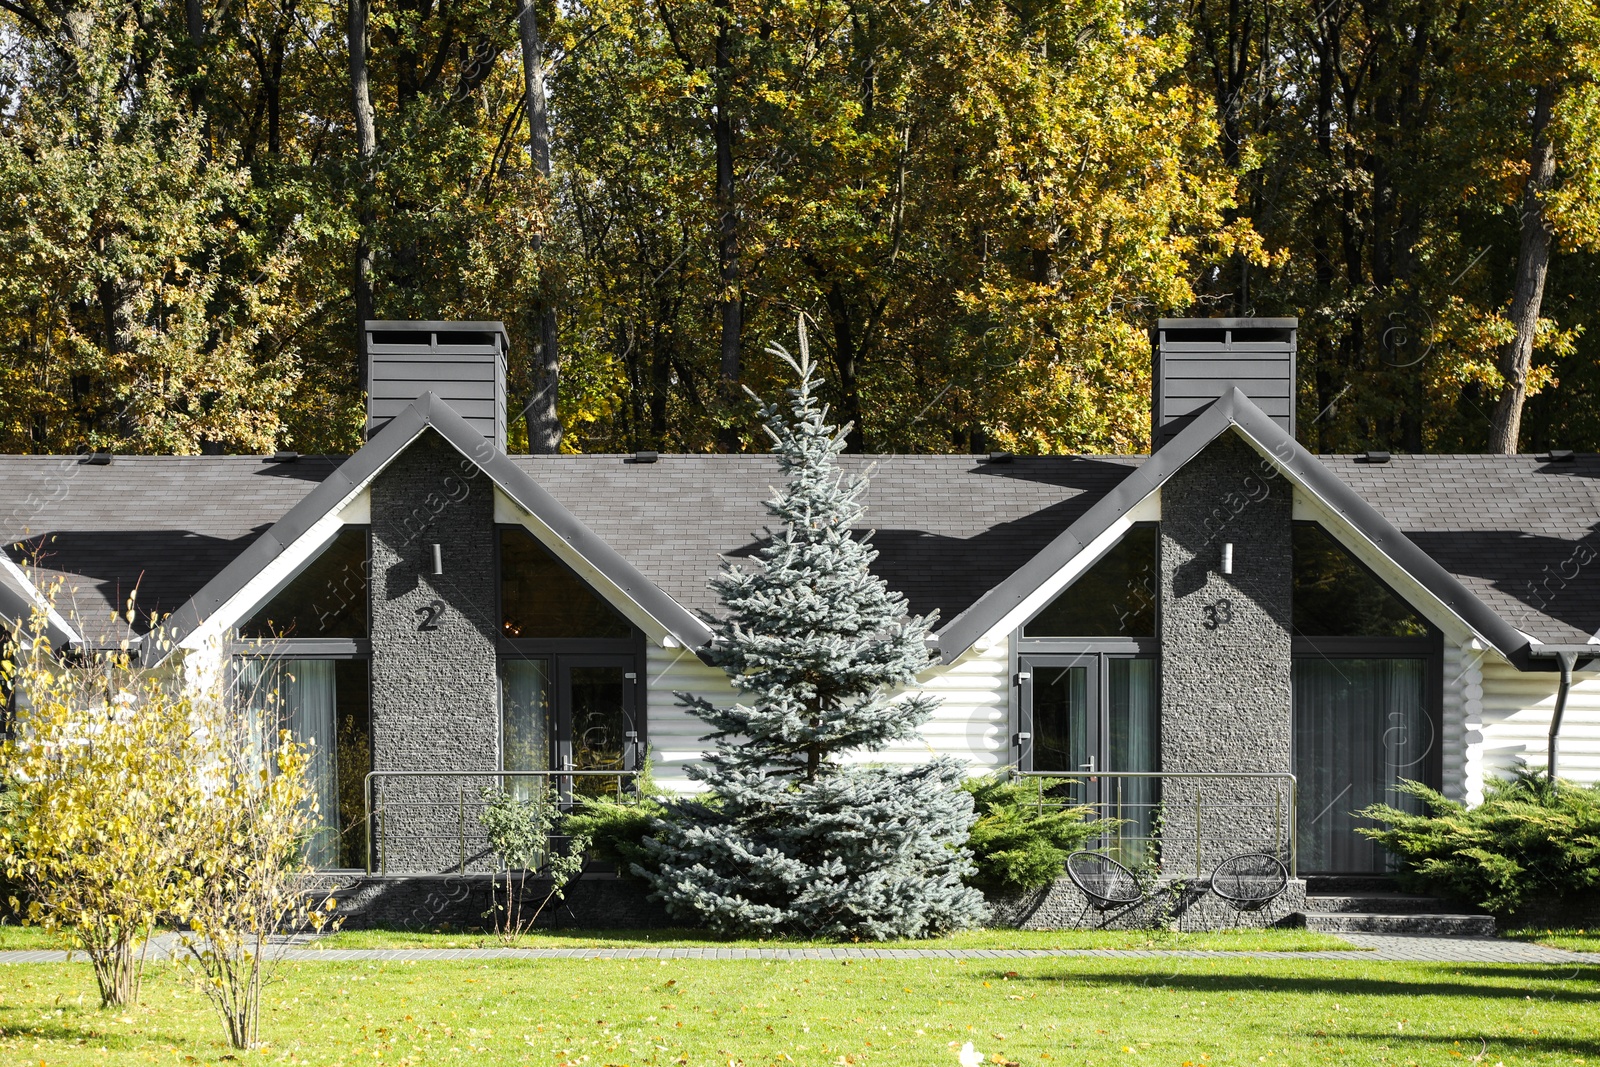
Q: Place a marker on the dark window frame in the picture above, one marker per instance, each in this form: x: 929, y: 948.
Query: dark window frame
x: 1026, y: 658
x: 562, y: 653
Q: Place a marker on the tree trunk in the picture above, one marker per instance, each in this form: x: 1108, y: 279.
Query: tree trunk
x: 544, y: 419
x: 731, y: 300
x: 1533, y: 264
x: 366, y: 152
x: 846, y: 357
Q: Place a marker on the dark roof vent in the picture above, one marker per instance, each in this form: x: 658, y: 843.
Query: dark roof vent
x: 1373, y: 457
x: 1197, y: 360
x: 999, y: 457
x: 643, y: 457
x: 1560, y: 455
x: 461, y: 363
x: 97, y: 459
x: 283, y: 457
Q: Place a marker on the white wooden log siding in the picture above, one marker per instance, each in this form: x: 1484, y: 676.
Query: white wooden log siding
x: 1515, y: 722
x: 971, y: 722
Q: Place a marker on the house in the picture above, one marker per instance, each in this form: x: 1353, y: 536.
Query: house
x: 1231, y: 643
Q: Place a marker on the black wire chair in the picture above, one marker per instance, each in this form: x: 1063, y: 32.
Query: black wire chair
x: 1105, y: 882
x: 1249, y: 881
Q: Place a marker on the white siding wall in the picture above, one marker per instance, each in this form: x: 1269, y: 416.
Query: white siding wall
x: 1461, y: 734
x: 971, y: 723
x: 1516, y: 714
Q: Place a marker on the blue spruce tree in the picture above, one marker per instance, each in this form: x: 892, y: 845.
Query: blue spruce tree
x: 788, y: 838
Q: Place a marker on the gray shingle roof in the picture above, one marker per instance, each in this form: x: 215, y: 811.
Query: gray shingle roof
x: 1518, y: 532
x: 165, y: 524
x: 1523, y: 534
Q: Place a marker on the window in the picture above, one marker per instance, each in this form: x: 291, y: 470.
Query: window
x: 325, y: 705
x: 1115, y: 597
x: 1366, y: 675
x: 1335, y: 596
x: 541, y: 598
x: 569, y: 672
x: 1361, y: 725
x: 327, y: 599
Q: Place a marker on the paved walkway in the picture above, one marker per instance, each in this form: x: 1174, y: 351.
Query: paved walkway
x: 1380, y: 948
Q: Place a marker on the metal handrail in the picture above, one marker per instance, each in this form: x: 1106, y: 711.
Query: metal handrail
x: 1293, y: 822
x: 372, y: 777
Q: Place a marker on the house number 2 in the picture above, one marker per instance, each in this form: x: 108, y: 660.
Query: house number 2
x: 1218, y: 614
x: 431, y: 613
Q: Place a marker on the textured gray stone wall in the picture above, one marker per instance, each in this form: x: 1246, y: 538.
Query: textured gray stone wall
x: 1171, y: 905
x: 434, y: 683
x: 1225, y: 653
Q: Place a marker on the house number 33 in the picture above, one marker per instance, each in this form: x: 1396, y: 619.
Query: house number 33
x: 1218, y: 614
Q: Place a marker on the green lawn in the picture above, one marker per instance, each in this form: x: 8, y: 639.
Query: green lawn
x: 1571, y: 940
x: 1275, y: 940
x: 14, y: 937
x: 1039, y: 1013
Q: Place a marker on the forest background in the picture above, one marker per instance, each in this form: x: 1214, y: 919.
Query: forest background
x: 981, y: 207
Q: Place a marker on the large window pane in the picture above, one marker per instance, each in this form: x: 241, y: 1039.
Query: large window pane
x: 327, y: 599
x: 1061, y: 735
x: 1116, y: 597
x: 540, y: 598
x: 1360, y: 726
x: 324, y: 705
x: 1335, y: 596
x: 525, y: 721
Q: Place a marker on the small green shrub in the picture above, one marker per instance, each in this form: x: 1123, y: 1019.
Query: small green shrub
x: 1530, y: 840
x: 1022, y: 837
x: 616, y: 827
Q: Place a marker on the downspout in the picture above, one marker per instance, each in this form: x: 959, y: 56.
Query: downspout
x: 1566, y: 659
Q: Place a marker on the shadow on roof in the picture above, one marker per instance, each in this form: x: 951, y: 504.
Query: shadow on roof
x: 1545, y: 583
x: 167, y: 567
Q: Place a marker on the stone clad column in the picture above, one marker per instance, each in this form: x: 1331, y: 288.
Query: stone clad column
x: 434, y: 686
x: 1225, y: 653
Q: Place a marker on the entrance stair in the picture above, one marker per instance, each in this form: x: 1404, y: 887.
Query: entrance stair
x: 1375, y: 905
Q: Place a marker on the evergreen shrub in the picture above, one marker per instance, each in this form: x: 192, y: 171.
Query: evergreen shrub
x: 1022, y: 838
x: 1531, y: 841
x: 794, y: 835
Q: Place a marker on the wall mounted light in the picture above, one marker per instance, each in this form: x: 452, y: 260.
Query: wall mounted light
x: 1227, y: 558
x: 438, y: 560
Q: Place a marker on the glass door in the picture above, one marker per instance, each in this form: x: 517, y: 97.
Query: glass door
x: 596, y: 725
x: 1093, y: 716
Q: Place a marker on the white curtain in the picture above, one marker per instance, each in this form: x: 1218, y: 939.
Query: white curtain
x: 524, y: 721
x: 299, y: 695
x: 1134, y: 747
x: 1360, y: 725
x: 310, y: 712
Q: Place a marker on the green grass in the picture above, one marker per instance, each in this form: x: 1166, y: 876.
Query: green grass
x: 1272, y: 940
x: 1038, y: 1013
x: 14, y: 938
x: 1571, y: 940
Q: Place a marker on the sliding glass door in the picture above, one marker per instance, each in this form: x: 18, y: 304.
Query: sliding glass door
x: 1361, y: 726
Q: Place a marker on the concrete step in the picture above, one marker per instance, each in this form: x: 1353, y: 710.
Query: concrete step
x: 1380, y: 903
x: 1391, y: 923
x: 1350, y: 884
